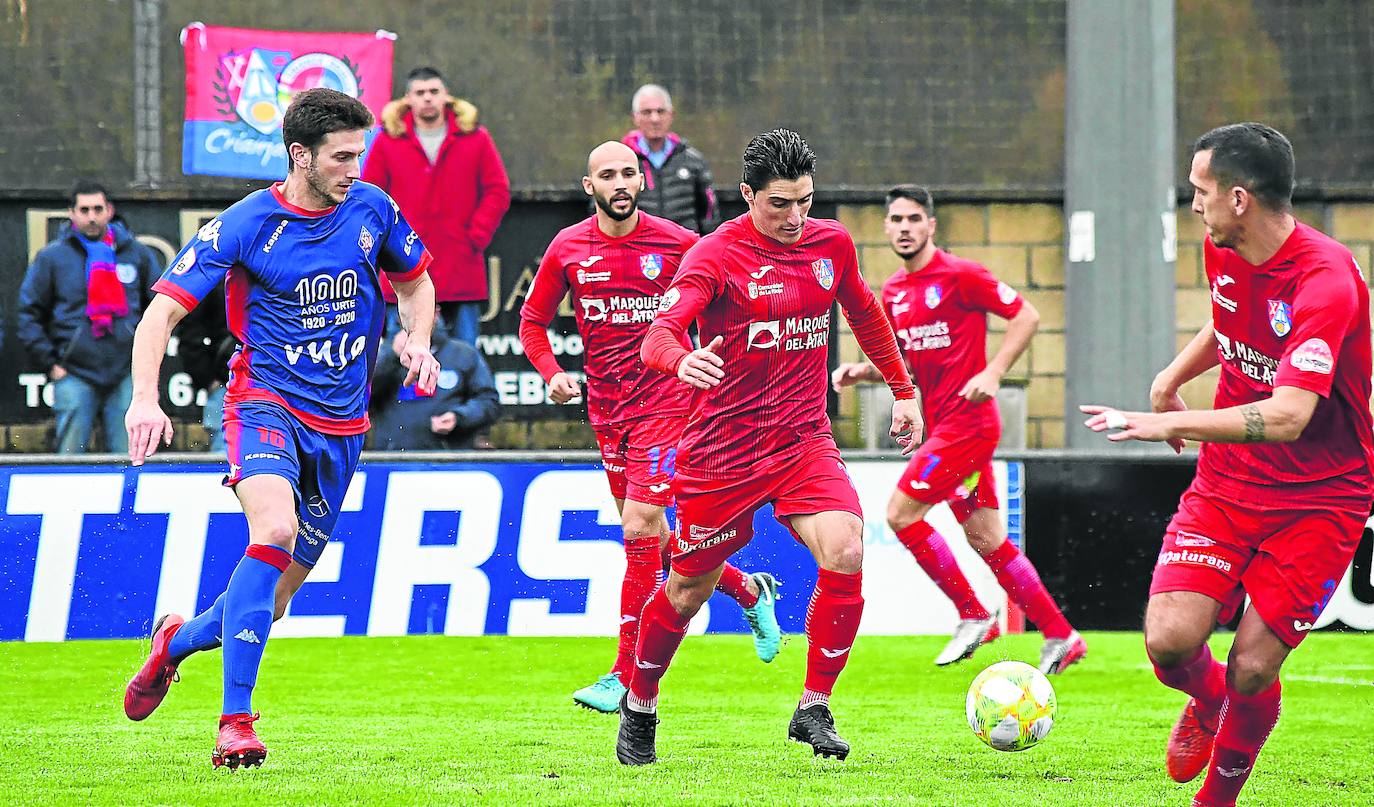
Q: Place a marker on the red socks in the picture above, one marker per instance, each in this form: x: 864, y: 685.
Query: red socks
x: 832, y: 622
x: 734, y: 584
x: 1246, y: 721
x: 1204, y: 678
x: 1016, y: 574
x: 934, y: 557
x: 641, y: 577
x: 661, y: 629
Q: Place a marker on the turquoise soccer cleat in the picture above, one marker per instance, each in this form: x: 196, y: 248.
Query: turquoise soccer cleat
x: 762, y: 619
x: 602, y: 696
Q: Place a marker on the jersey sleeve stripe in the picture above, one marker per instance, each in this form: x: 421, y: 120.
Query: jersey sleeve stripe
x: 182, y: 296
x: 425, y: 260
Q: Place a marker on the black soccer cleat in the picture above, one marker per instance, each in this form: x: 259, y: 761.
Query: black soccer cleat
x: 634, y: 745
x: 815, y: 726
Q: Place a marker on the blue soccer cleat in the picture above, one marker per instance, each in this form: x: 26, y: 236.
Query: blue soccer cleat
x: 602, y: 696
x: 762, y: 619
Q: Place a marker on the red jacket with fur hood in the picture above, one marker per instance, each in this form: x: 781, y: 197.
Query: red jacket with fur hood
x: 455, y: 204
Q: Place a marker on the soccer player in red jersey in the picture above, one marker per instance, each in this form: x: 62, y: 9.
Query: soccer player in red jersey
x: 1283, y: 480
x: 761, y: 289
x: 617, y: 263
x: 939, y: 306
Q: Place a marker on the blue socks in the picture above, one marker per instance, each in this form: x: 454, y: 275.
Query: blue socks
x: 247, y: 620
x: 201, y: 633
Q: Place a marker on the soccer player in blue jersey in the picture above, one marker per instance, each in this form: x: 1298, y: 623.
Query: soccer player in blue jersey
x: 301, y: 264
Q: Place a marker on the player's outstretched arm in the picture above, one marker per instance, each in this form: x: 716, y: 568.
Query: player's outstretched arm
x: 415, y: 304
x: 147, y: 425
x: 1280, y: 418
x: 851, y: 373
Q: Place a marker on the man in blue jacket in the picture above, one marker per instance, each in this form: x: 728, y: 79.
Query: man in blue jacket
x: 464, y: 403
x: 80, y: 302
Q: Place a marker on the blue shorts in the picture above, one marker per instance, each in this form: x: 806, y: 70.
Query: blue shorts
x: 265, y: 439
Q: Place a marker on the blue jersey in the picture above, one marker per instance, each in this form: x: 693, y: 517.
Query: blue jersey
x: 302, y: 296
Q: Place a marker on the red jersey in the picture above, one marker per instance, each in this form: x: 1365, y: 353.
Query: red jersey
x: 616, y: 286
x: 940, y: 315
x: 1301, y: 319
x: 772, y: 304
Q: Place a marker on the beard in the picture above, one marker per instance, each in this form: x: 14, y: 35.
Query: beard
x: 319, y: 187
x: 912, y: 252
x: 606, y: 206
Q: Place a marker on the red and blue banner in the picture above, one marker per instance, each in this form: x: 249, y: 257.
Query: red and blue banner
x: 239, y: 82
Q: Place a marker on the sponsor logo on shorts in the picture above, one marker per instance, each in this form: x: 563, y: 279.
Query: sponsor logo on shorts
x: 317, y: 506
x: 262, y: 455
x: 611, y: 467
x: 660, y: 487
x: 1182, y: 538
x: 917, y: 484
x: 1169, y: 556
x: 1301, y: 627
x: 703, y: 538
x: 311, y: 534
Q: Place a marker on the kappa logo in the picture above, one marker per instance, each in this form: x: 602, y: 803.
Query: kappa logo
x: 271, y: 242
x: 828, y: 653
x: 593, y: 309
x: 763, y: 270
x: 210, y: 233
x: 247, y: 635
x: 587, y: 264
x: 660, y: 487
x: 647, y: 665
x: 234, y: 470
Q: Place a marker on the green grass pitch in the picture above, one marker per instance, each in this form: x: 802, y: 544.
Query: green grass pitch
x: 438, y: 720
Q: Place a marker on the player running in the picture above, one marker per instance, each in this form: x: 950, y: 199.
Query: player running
x: 939, y: 307
x: 301, y: 262
x: 761, y: 289
x: 617, y: 263
x: 1283, y: 480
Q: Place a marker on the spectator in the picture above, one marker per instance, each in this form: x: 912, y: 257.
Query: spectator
x: 677, y: 180
x: 205, y: 346
x: 464, y: 403
x: 444, y: 171
x: 79, y: 304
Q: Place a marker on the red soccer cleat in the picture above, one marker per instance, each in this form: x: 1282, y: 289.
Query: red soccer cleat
x: 149, y: 686
x: 1190, y: 743
x: 238, y: 744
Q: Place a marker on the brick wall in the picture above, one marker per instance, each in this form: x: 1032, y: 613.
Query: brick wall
x: 1022, y: 244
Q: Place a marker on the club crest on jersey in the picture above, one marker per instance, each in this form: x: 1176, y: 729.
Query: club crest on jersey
x: 824, y: 271
x: 1280, y: 317
x: 364, y: 240
x: 933, y: 296
x: 651, y: 265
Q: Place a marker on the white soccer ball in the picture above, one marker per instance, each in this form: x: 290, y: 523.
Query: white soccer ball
x: 1011, y: 706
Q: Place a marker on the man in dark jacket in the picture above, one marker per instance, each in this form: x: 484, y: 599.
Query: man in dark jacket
x: 80, y: 302
x: 464, y: 403
x: 677, y: 180
x: 444, y: 171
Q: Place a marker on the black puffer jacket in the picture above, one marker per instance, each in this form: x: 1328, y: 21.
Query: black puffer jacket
x: 681, y: 190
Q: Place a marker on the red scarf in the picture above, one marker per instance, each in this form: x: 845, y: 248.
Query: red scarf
x: 105, y: 300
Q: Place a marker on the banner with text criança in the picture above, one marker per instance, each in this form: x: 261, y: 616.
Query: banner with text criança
x: 239, y: 82
x: 462, y: 548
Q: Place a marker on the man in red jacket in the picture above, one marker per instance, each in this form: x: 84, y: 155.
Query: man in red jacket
x: 444, y: 171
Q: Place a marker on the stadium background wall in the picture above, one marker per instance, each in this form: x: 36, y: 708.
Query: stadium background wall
x: 514, y: 544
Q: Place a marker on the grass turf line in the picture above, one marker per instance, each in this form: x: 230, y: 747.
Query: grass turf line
x: 422, y: 720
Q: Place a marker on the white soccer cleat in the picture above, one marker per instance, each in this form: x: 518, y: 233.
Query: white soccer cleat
x: 968, y: 636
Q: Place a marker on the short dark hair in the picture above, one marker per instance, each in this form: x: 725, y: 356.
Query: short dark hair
x: 424, y: 73
x: 1256, y: 157
x: 316, y: 113
x: 915, y: 193
x: 83, y: 187
x: 777, y: 154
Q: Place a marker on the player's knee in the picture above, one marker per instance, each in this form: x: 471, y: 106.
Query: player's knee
x: 902, y: 511
x: 846, y: 556
x: 278, y: 532
x: 687, y: 595
x: 1250, y: 673
x: 1170, y: 649
x: 984, y: 543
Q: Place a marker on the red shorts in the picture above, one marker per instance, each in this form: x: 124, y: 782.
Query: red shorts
x: 1288, y: 561
x: 953, y: 468
x: 640, y: 457
x: 716, y: 517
